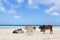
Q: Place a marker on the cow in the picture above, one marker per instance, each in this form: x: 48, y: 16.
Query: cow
x: 30, y: 28
x: 46, y: 27
x: 18, y: 31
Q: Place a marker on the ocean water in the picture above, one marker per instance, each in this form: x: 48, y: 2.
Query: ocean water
x: 12, y: 27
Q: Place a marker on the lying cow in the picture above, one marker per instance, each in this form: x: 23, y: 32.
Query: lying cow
x: 18, y: 31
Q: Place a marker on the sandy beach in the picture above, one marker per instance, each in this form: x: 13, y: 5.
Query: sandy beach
x: 6, y: 34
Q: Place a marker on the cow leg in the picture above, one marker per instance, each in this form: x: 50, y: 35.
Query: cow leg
x: 27, y: 31
x: 51, y: 32
x: 31, y: 30
x: 44, y: 31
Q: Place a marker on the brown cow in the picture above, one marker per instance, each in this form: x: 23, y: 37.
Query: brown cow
x: 46, y: 27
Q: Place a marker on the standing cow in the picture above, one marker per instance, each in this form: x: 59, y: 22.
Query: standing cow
x: 46, y: 27
x: 30, y: 29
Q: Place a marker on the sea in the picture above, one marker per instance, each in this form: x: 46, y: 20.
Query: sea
x: 20, y: 26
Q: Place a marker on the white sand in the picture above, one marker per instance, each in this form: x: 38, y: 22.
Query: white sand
x: 6, y: 34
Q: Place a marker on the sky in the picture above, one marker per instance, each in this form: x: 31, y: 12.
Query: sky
x: 30, y: 12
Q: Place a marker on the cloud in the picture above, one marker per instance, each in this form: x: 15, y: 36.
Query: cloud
x: 55, y: 14
x: 34, y: 4
x: 19, y: 1
x: 2, y: 9
x: 31, y: 5
x: 50, y: 10
x: 46, y: 2
x: 11, y: 5
x: 16, y: 17
x: 11, y: 11
x: 55, y: 9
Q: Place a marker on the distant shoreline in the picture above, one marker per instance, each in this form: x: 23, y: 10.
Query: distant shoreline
x: 26, y: 25
x: 21, y: 26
